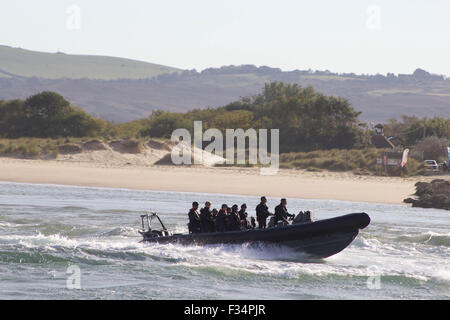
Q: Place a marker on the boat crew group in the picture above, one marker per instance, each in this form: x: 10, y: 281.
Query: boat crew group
x: 232, y: 219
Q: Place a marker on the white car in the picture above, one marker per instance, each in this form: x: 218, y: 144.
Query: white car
x: 431, y: 165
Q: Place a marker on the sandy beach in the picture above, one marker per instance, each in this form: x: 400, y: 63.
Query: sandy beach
x: 245, y: 181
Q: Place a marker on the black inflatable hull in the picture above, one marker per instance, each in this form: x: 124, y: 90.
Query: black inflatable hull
x: 319, y: 239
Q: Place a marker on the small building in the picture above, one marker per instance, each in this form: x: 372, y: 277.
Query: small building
x: 379, y: 140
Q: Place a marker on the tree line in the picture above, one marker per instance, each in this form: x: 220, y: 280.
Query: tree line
x: 412, y: 129
x: 307, y: 120
x: 46, y: 115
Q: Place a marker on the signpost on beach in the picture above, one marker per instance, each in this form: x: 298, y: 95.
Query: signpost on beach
x: 393, y: 159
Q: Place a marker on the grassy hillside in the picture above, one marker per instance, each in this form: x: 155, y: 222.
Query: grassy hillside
x: 134, y: 95
x: 25, y: 63
x: 127, y: 99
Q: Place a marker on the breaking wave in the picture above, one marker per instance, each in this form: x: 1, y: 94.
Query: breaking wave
x: 428, y: 238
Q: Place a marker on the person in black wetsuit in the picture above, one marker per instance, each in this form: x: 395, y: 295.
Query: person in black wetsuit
x: 214, y: 214
x: 262, y: 213
x: 228, y: 219
x: 194, y: 219
x: 281, y: 213
x: 206, y: 218
x: 234, y: 223
x: 221, y: 219
x: 243, y: 217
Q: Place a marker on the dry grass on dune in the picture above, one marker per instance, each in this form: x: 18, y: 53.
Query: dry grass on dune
x: 359, y: 161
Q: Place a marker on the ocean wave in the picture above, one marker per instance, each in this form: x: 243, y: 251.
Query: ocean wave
x: 6, y: 225
x: 443, y: 275
x: 117, y: 211
x: 48, y: 256
x: 120, y: 231
x: 63, y: 230
x: 314, y: 274
x: 72, y: 208
x: 428, y: 238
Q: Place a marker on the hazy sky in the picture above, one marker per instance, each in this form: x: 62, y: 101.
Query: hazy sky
x: 343, y: 36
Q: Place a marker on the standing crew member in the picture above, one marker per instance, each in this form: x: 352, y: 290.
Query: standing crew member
x: 233, y: 219
x: 194, y: 219
x: 262, y: 213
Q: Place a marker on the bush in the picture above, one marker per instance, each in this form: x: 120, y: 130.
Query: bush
x: 162, y: 124
x: 31, y: 150
x: 46, y: 114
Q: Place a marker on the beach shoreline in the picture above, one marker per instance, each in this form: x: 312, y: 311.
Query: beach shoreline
x: 243, y: 181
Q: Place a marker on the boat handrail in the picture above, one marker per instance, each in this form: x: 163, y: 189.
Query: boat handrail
x: 150, y: 215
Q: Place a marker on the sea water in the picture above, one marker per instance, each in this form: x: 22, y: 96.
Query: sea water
x: 60, y: 242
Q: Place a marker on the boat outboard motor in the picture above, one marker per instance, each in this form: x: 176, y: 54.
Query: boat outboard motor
x: 309, y: 216
x: 303, y: 217
x: 271, y: 223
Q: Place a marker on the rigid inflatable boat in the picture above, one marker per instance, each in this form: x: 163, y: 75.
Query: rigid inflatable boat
x: 318, y: 239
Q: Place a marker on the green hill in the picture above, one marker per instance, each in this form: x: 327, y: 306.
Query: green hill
x: 123, y: 90
x: 16, y: 62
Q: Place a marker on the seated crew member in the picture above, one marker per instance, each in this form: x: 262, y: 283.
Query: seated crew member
x: 227, y: 219
x: 221, y: 219
x: 194, y: 219
x: 213, y: 219
x: 262, y: 213
x: 234, y: 223
x: 243, y: 217
x: 206, y: 218
x: 281, y: 213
